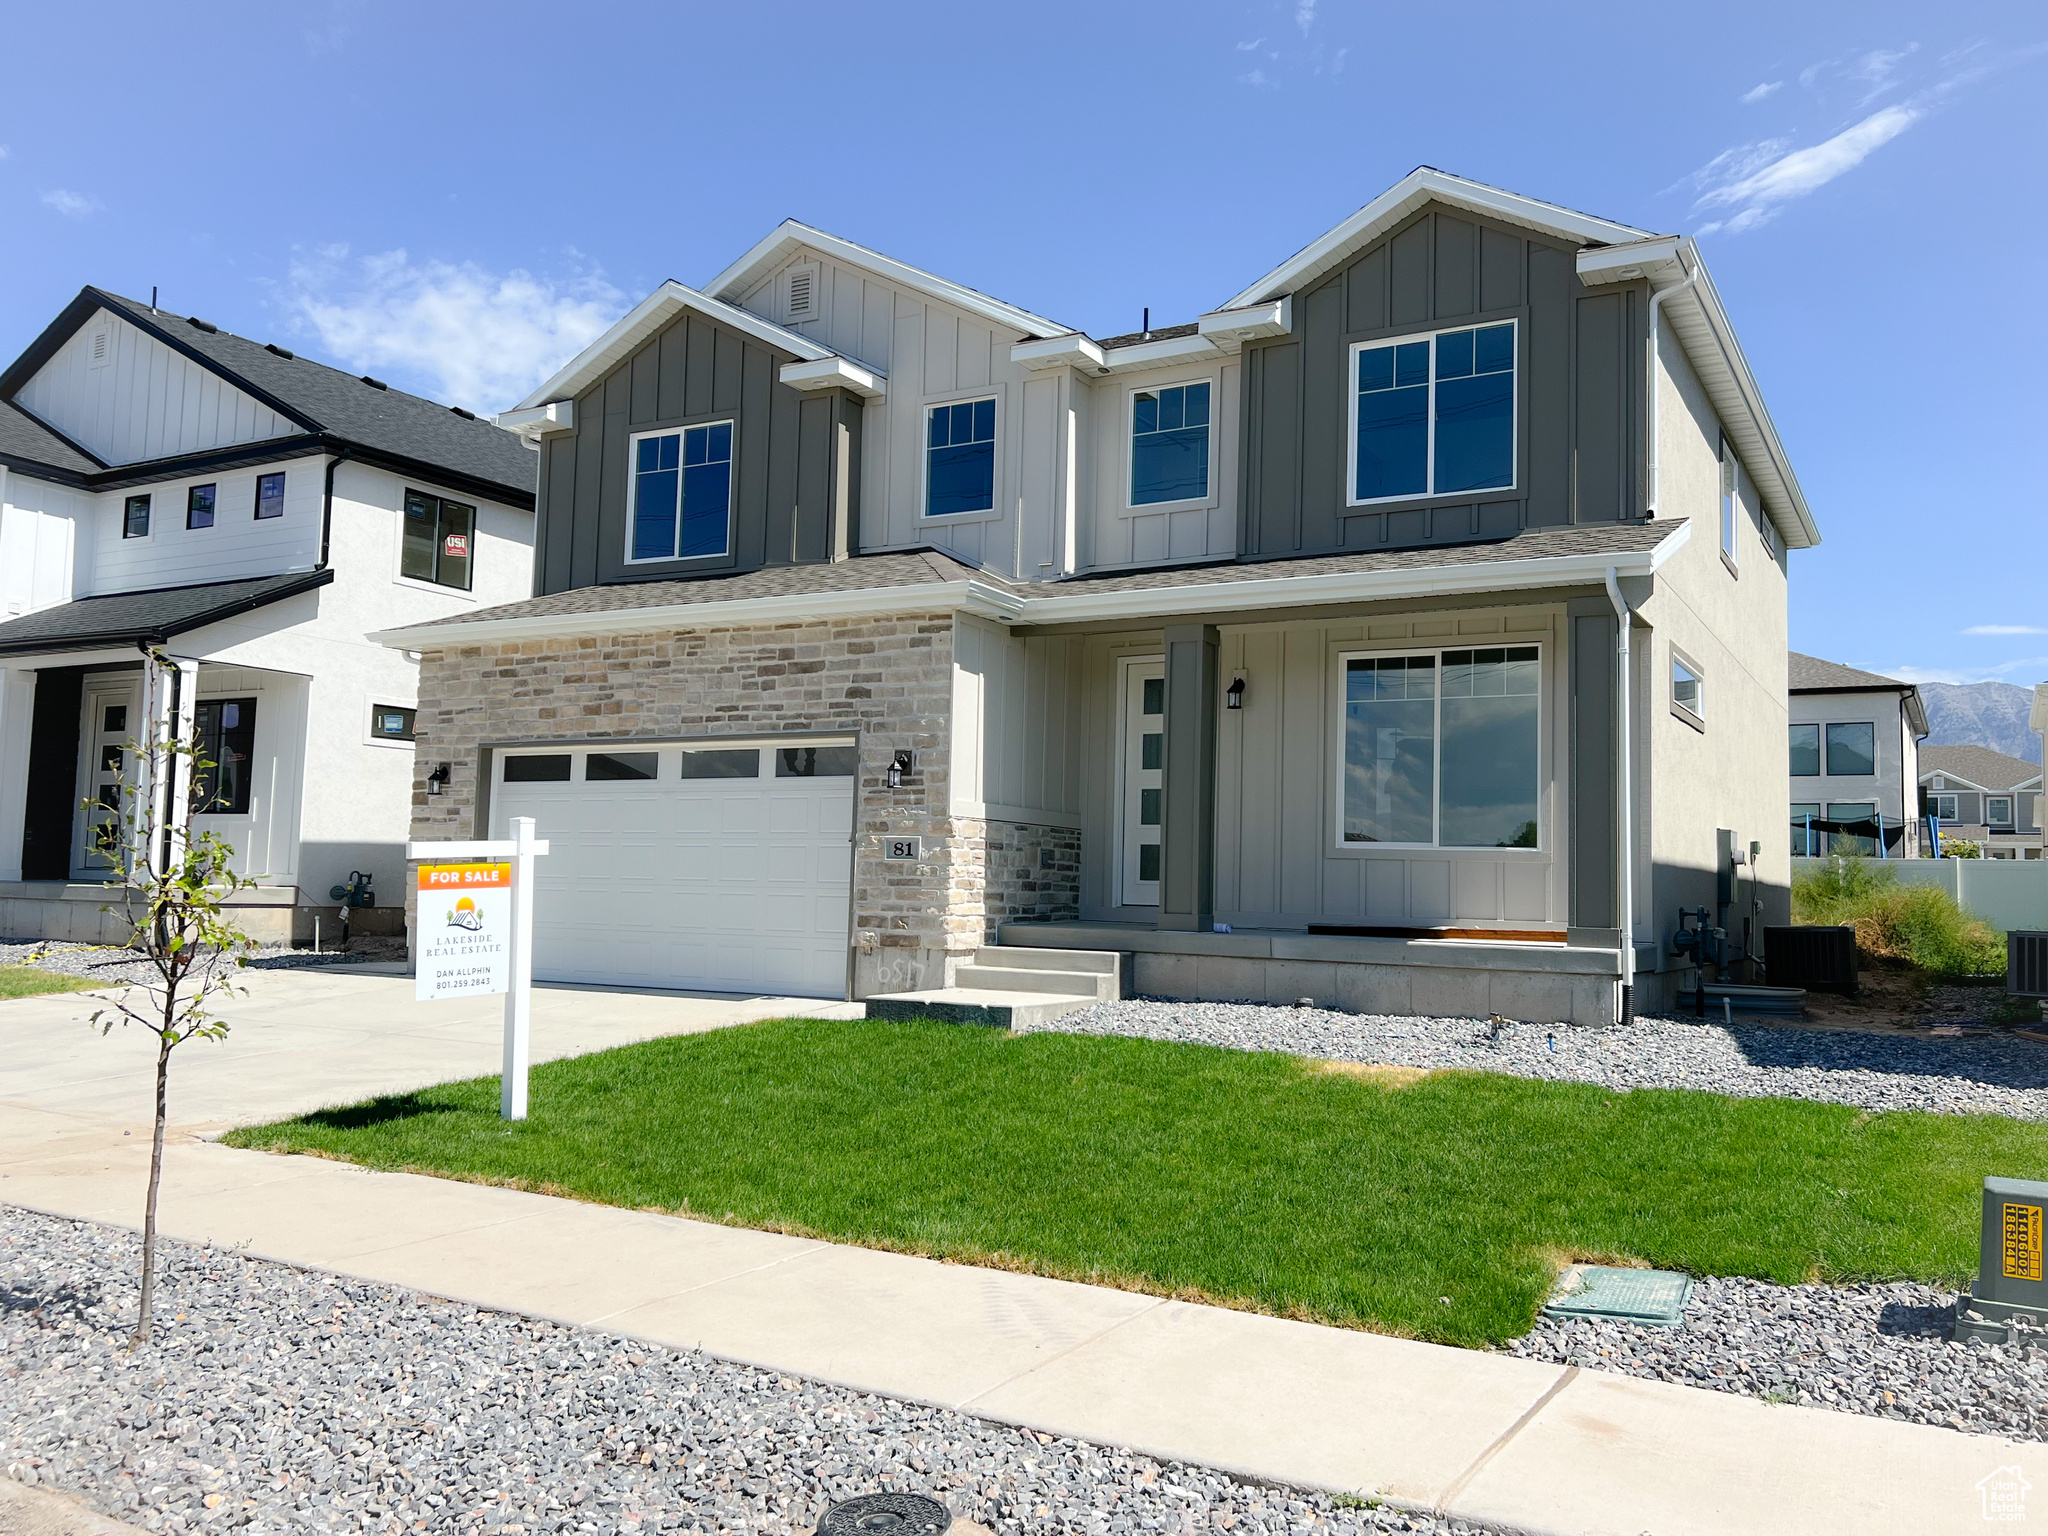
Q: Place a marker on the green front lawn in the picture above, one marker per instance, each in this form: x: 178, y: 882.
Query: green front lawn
x: 28, y: 981
x: 1257, y: 1180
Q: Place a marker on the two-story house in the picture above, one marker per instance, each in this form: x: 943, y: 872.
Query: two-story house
x: 1854, y: 758
x: 168, y: 488
x: 1417, y: 616
x: 1989, y: 798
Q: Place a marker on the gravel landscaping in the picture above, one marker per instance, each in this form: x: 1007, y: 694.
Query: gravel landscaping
x: 1873, y: 1349
x: 274, y: 1399
x: 112, y: 965
x: 1964, y: 1075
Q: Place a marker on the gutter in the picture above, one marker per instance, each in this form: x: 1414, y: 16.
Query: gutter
x: 1625, y: 893
x: 327, y: 508
x: 1657, y: 298
x: 1014, y: 607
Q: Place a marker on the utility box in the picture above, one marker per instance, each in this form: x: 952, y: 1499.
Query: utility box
x: 1818, y: 959
x: 2011, y: 1293
x: 2026, y: 964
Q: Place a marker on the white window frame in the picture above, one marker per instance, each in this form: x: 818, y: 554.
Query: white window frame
x: 1952, y: 800
x: 1350, y: 397
x: 2009, y: 819
x: 1434, y: 845
x: 1697, y: 718
x: 1731, y: 505
x: 924, y: 460
x: 633, y: 491
x: 1130, y: 454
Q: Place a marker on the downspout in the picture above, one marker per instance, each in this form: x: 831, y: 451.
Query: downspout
x: 327, y: 508
x: 1657, y: 298
x: 1625, y: 894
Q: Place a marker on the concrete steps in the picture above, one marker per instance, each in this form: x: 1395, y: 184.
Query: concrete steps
x: 1012, y: 988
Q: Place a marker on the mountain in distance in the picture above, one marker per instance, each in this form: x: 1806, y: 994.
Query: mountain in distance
x: 1990, y: 715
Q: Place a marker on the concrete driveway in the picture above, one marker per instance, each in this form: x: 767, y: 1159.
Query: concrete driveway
x: 308, y: 1039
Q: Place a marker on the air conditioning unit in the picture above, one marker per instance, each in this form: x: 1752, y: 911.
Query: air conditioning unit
x: 2026, y: 964
x: 1818, y: 959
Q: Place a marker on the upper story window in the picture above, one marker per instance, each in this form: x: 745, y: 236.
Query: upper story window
x: 1998, y: 811
x: 1170, y: 444
x: 270, y: 496
x: 1688, y: 691
x: 1434, y: 415
x: 438, y: 544
x: 960, y: 458
x: 199, y: 506
x: 1443, y: 749
x: 1731, y: 508
x: 1944, y: 806
x: 225, y: 735
x: 1852, y: 750
x: 1805, y: 751
x: 135, y: 518
x: 682, y: 493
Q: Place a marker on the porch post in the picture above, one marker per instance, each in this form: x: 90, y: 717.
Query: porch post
x: 1187, y: 819
x: 1593, y: 918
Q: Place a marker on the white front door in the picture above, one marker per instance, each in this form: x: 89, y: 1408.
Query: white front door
x: 111, y: 720
x: 1143, y: 758
x: 723, y: 868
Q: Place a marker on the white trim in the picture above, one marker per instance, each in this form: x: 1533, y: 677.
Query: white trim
x: 1209, y: 497
x: 769, y: 252
x: 1418, y: 187
x: 993, y: 394
x: 1072, y: 350
x: 1430, y: 493
x: 1230, y: 329
x: 633, y: 491
x: 1438, y: 649
x: 550, y: 420
x: 1160, y: 354
x: 647, y: 317
x: 987, y: 601
x: 835, y: 373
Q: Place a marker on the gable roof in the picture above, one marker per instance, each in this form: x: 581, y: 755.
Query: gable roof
x: 780, y: 243
x: 338, y: 409
x: 1978, y: 766
x: 651, y: 315
x: 1809, y: 674
x: 121, y: 618
x: 1422, y: 185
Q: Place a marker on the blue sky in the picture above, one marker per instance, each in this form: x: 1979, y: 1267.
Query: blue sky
x: 458, y: 199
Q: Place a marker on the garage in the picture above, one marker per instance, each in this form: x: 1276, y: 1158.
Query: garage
x: 721, y: 867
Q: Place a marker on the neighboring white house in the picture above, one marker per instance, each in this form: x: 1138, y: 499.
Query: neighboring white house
x: 1985, y: 797
x: 253, y: 514
x: 1854, y: 760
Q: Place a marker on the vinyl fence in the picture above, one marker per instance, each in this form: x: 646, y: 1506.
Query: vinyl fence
x: 2006, y: 893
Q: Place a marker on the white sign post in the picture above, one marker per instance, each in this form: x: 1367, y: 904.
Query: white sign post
x: 474, y: 927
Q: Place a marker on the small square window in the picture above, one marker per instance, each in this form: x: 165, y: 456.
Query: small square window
x: 199, y: 507
x: 1998, y: 811
x: 135, y: 518
x: 1852, y: 750
x: 1688, y: 691
x: 270, y: 496
x: 391, y: 722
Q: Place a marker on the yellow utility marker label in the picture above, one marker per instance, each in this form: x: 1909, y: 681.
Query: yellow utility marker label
x: 2022, y: 1246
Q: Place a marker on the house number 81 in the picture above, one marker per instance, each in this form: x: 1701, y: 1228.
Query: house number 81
x: 903, y: 848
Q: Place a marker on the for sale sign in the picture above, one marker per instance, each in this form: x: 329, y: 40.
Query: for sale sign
x: 464, y: 929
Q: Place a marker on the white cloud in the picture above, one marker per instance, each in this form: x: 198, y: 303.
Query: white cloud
x: 3, y: 151
x: 1257, y: 77
x: 1305, y: 15
x: 2031, y: 667
x: 73, y: 205
x: 2005, y: 629
x: 1253, y: 46
x: 1879, y: 67
x: 1755, y: 182
x: 454, y: 330
x: 1755, y: 94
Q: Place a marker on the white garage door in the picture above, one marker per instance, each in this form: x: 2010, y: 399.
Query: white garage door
x: 724, y: 869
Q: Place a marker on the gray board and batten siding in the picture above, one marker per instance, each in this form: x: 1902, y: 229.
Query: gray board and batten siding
x: 796, y: 469
x: 1580, y: 386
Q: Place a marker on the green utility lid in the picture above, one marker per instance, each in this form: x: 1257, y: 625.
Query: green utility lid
x: 1653, y: 1296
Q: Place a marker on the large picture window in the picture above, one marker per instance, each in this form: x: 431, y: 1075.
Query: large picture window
x: 1442, y: 749
x: 1805, y: 751
x: 1434, y: 415
x: 1169, y: 444
x: 960, y: 458
x: 1852, y: 750
x: 439, y: 541
x: 682, y: 493
x: 225, y: 732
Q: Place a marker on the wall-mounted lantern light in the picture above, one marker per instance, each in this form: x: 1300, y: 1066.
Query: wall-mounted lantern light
x: 1233, y: 696
x: 899, y: 765
x: 438, y: 779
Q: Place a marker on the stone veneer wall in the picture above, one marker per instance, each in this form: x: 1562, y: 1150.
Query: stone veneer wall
x: 888, y: 680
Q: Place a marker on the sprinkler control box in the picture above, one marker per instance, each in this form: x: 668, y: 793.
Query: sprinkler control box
x: 2010, y: 1299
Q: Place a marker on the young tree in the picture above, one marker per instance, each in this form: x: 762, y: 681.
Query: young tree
x: 173, y: 891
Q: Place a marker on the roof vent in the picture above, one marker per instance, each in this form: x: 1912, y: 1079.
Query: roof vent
x: 201, y: 325
x: 375, y: 383
x: 271, y: 346
x: 465, y: 415
x: 801, y: 297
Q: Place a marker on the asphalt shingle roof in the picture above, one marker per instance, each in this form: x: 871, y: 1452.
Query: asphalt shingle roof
x: 1809, y: 674
x: 1977, y: 765
x: 1145, y: 338
x: 22, y: 437
x: 121, y: 618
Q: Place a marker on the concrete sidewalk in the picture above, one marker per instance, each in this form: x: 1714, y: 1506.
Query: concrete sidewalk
x: 1483, y: 1437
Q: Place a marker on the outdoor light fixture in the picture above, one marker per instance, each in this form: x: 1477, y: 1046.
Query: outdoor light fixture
x: 1233, y: 696
x: 899, y: 765
x: 438, y: 779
